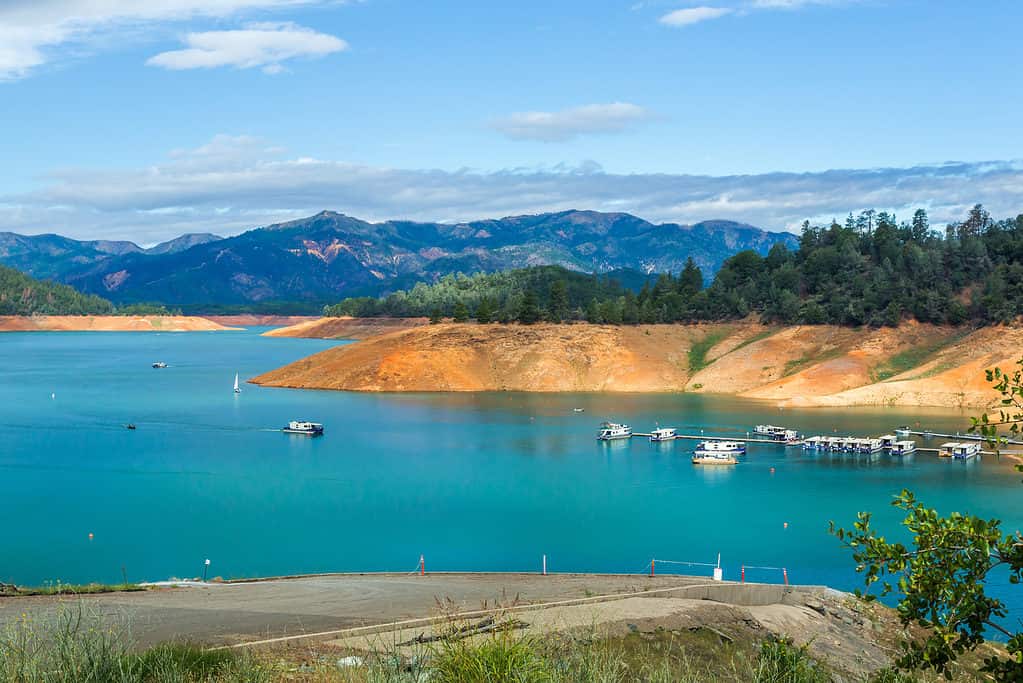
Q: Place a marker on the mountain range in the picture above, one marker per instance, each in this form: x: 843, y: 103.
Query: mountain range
x: 326, y: 257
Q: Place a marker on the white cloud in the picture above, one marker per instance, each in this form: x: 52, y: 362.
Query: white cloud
x: 257, y: 45
x: 233, y: 184
x: 559, y: 126
x: 694, y: 15
x: 33, y: 32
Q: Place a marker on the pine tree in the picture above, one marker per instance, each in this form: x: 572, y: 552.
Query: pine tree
x: 558, y: 301
x: 485, y: 312
x: 461, y: 312
x: 436, y: 315
x: 529, y: 309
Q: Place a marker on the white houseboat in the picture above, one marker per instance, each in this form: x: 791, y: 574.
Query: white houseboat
x: 732, y: 448
x: 610, y: 431
x: 714, y: 459
x: 304, y: 427
x: 888, y: 440
x: 903, y: 447
x: 664, y: 434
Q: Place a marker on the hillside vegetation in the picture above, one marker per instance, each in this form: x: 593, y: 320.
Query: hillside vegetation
x: 23, y: 295
x: 870, y: 271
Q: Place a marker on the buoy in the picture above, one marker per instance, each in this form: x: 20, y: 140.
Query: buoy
x: 786, y: 525
x: 772, y: 470
x: 53, y: 395
x: 90, y: 536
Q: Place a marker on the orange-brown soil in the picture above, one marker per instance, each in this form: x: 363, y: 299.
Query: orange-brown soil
x: 913, y: 365
x: 255, y: 320
x: 107, y: 323
x: 344, y: 328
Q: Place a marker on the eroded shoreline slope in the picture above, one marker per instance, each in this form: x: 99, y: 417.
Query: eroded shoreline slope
x: 913, y: 365
x: 108, y: 323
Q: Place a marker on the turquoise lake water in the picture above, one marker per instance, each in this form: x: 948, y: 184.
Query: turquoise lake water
x: 472, y: 481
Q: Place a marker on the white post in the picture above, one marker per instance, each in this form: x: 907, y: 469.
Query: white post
x: 717, y: 570
x: 545, y: 565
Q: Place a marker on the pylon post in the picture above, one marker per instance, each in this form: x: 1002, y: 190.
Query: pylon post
x: 785, y: 575
x: 422, y: 566
x: 651, y: 567
x: 742, y: 577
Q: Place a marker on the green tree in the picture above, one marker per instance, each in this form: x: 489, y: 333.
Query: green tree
x: 941, y: 577
x: 460, y: 313
x: 558, y: 301
x: 485, y: 312
x: 529, y: 309
x: 436, y: 315
x: 690, y: 281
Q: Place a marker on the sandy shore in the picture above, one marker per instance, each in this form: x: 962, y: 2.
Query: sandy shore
x: 345, y: 327
x: 108, y: 323
x: 913, y: 365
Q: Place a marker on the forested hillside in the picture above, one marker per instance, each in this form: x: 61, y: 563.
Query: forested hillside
x: 23, y: 295
x: 871, y: 270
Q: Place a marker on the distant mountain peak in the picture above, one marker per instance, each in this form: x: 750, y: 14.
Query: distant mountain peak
x: 329, y: 256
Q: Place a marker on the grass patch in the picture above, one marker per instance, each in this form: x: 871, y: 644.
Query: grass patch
x: 78, y: 646
x: 916, y: 356
x: 795, y: 365
x: 755, y: 338
x: 59, y: 588
x: 699, y: 349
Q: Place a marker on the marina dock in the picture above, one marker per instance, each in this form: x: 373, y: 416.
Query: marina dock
x: 957, y: 435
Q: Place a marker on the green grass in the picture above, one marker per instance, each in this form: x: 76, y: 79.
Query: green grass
x: 798, y: 364
x: 913, y: 357
x: 699, y: 349
x: 58, y: 588
x: 755, y: 338
x: 77, y: 646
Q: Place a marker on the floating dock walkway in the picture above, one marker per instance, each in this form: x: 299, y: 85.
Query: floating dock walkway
x: 957, y: 435
x: 737, y: 437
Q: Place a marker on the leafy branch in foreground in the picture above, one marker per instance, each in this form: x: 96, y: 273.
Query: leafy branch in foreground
x: 941, y: 577
x: 941, y: 580
x: 1010, y: 415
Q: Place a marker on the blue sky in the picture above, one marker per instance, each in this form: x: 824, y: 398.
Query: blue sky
x: 219, y: 115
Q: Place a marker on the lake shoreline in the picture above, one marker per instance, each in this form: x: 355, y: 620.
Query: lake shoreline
x: 802, y: 366
x: 110, y: 323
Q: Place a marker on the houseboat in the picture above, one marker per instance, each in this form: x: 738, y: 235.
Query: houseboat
x: 714, y: 459
x: 304, y: 427
x: 866, y: 445
x: 777, y: 433
x: 965, y: 451
x: 732, y: 448
x: 664, y: 434
x: 903, y: 447
x: 610, y: 431
x: 888, y: 440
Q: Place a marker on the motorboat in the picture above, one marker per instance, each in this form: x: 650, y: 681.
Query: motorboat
x: 304, y: 427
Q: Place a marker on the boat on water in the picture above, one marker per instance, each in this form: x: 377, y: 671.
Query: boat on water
x: 903, y: 447
x: 732, y: 448
x: 610, y: 431
x: 237, y: 389
x: 159, y: 365
x: 774, y: 433
x: 888, y: 440
x: 904, y: 431
x: 304, y: 427
x: 664, y: 434
x: 866, y: 445
x: 714, y: 459
x: 959, y: 451
x: 130, y: 425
